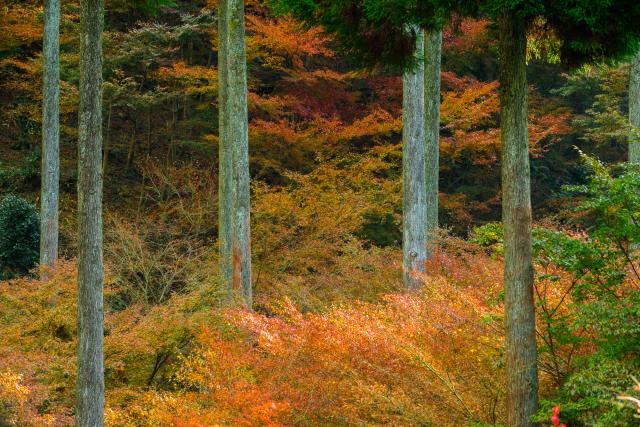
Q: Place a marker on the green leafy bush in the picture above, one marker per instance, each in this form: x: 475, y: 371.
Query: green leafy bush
x: 19, y: 236
x: 489, y: 235
x: 601, y: 264
x: 598, y: 271
x: 588, y: 397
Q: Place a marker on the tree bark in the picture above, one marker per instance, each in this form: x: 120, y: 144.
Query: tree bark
x: 50, y: 134
x: 225, y: 168
x: 414, y: 231
x: 634, y: 110
x: 107, y: 139
x: 520, y: 351
x: 432, y: 61
x: 234, y: 180
x: 90, y: 381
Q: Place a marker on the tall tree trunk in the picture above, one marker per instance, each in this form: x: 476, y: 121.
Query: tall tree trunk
x: 521, y: 353
x: 634, y: 110
x: 50, y: 134
x: 90, y: 382
x: 432, y: 60
x: 107, y: 139
x: 414, y: 231
x: 234, y: 193
x: 225, y: 157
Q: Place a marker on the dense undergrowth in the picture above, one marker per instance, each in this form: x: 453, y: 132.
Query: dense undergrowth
x: 401, y: 360
x: 333, y: 339
x: 373, y: 356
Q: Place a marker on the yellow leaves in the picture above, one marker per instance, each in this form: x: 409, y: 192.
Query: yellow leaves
x: 377, y: 124
x: 25, y: 66
x: 38, y: 325
x: 14, y: 406
x: 303, y: 233
x: 149, y: 410
x: 20, y: 25
x: 12, y: 388
x: 542, y: 42
x: 196, y: 79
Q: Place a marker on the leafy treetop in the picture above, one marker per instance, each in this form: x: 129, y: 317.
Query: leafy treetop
x: 382, y: 32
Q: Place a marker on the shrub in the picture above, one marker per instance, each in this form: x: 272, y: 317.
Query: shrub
x: 19, y: 236
x: 489, y: 235
x: 602, y: 298
x: 429, y: 358
x: 588, y: 398
x: 38, y: 327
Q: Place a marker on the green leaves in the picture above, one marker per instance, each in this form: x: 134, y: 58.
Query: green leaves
x: 375, y: 32
x: 602, y: 264
x: 19, y: 236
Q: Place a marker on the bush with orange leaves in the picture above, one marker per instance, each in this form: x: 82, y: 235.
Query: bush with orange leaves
x: 399, y: 359
x: 406, y: 360
x: 402, y: 362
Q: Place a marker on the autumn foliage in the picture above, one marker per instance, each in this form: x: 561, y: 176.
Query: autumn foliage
x: 333, y: 340
x: 177, y: 365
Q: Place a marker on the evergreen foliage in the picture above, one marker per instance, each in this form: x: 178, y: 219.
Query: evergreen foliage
x: 19, y: 236
x: 379, y: 32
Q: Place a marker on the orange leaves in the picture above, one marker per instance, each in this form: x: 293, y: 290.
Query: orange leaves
x: 386, y: 363
x: 546, y: 121
x: 216, y: 385
x: 274, y: 42
x: 470, y: 115
x: 379, y: 123
x: 15, y: 408
x: 401, y: 360
x: 472, y: 108
x: 467, y: 36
